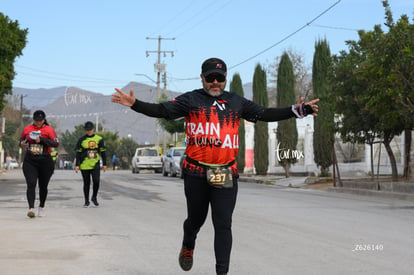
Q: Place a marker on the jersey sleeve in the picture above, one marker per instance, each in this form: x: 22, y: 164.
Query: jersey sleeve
x: 51, y: 138
x: 168, y: 110
x: 277, y: 114
x: 254, y: 112
x: 251, y: 111
x: 79, y: 151
x: 179, y: 107
x: 148, y: 109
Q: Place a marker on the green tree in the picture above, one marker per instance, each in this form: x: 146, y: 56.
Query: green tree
x: 324, y: 128
x: 301, y: 71
x: 68, y: 140
x: 10, y: 141
x: 390, y: 69
x: 111, y: 143
x: 11, y: 113
x: 381, y: 64
x: 126, y: 150
x: 287, y: 134
x: 399, y: 50
x: 261, y: 135
x: 236, y: 86
x: 355, y: 123
x: 12, y: 43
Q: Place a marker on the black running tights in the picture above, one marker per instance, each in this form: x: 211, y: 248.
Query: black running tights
x: 86, y: 175
x: 199, y: 196
x: 35, y: 170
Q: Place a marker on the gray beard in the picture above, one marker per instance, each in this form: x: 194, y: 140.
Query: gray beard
x: 214, y: 94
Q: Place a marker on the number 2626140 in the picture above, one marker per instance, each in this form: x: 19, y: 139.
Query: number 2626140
x: 368, y: 247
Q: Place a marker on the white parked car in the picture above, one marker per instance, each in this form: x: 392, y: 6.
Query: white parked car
x: 13, y: 164
x: 146, y: 158
x: 171, y: 162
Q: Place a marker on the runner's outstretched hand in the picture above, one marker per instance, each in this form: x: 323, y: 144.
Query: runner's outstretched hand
x: 124, y: 98
x: 311, y: 103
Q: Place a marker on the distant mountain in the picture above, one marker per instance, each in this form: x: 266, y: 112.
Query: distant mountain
x: 39, y: 97
x: 67, y: 107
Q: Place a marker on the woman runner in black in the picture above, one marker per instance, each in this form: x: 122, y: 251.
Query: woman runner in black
x: 210, y: 172
x: 38, y: 166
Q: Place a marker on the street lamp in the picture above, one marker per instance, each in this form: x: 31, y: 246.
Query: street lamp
x: 157, y: 143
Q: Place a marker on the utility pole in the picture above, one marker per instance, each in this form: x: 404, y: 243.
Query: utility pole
x: 96, y: 122
x: 164, y: 134
x: 159, y: 68
x: 21, y: 126
x: 3, y: 131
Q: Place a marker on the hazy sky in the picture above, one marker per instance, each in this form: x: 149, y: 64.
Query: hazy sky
x: 98, y: 45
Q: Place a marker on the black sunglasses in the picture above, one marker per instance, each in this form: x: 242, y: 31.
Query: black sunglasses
x: 211, y: 77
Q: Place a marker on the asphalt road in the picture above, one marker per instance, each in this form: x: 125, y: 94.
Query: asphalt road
x: 137, y: 229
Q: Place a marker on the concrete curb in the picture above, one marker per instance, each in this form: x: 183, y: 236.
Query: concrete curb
x: 403, y: 190
x: 380, y: 194
x: 294, y: 182
x: 364, y: 187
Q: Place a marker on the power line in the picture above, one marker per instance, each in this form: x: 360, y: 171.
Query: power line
x: 91, y: 80
x: 286, y: 37
x: 168, y: 23
x: 75, y: 115
x: 335, y: 28
x: 179, y: 79
x: 194, y: 15
x: 71, y: 77
x: 208, y: 16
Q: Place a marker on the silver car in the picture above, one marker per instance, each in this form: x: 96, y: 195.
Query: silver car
x: 171, y: 162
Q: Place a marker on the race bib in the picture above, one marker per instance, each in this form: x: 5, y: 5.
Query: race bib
x: 220, y: 177
x: 36, y: 149
x: 91, y: 154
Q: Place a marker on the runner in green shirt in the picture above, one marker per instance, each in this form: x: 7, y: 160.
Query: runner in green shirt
x: 90, y: 150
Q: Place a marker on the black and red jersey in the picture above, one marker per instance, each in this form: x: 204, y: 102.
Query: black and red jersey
x: 48, y: 138
x: 212, y: 122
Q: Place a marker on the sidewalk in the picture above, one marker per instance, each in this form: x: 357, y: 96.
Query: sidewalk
x: 12, y: 173
x: 295, y: 182
x: 385, y: 188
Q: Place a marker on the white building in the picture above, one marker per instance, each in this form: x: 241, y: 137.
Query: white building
x: 357, y: 166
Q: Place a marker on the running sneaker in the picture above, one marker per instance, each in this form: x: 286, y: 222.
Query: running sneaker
x: 186, y: 258
x: 41, y: 212
x: 86, y: 205
x: 31, y: 213
x: 95, y: 201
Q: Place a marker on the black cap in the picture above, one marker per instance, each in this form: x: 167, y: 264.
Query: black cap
x: 88, y: 126
x: 213, y: 65
x: 39, y: 115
